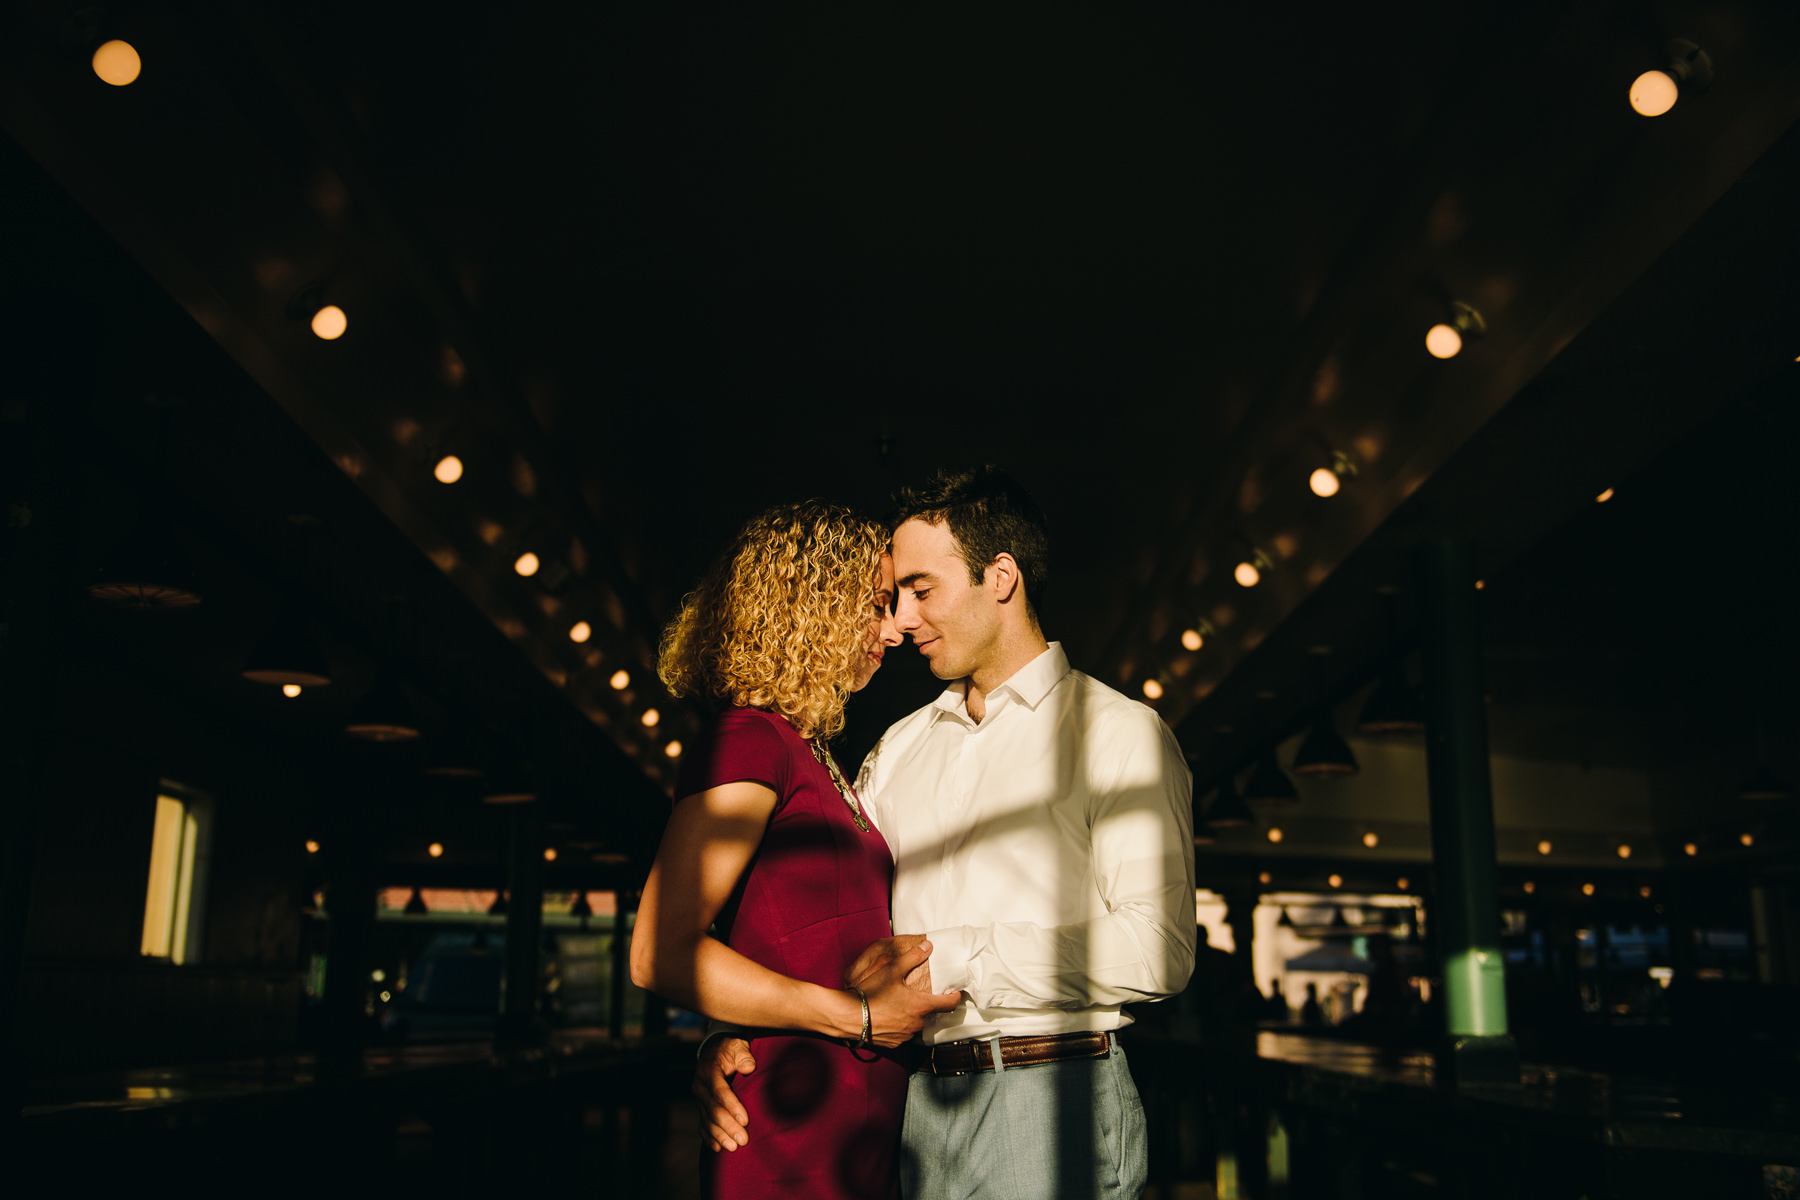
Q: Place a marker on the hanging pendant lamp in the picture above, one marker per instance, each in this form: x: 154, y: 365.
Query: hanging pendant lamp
x: 1324, y: 754
x: 383, y: 715
x: 1269, y: 784
x: 511, y: 786
x: 415, y: 904
x: 456, y: 752
x: 1764, y: 786
x: 146, y: 571
x: 1227, y: 809
x: 288, y: 655
x: 1393, y: 707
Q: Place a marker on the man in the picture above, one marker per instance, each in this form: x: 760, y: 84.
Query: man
x: 1042, y: 835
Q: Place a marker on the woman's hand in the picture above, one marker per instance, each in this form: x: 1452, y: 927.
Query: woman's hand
x: 895, y: 976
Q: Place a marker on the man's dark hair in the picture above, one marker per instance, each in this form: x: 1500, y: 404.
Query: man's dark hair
x: 989, y: 514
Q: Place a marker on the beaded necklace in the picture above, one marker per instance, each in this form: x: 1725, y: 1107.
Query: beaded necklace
x: 844, y: 789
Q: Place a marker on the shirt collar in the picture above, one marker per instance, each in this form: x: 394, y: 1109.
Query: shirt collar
x: 1030, y: 683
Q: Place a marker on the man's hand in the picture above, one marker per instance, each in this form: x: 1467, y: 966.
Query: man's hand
x: 878, y: 956
x: 721, y: 1112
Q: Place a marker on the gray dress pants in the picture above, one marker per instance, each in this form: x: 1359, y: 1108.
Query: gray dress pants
x: 1056, y: 1131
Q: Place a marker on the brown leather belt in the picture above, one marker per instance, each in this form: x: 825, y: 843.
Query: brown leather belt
x: 961, y: 1058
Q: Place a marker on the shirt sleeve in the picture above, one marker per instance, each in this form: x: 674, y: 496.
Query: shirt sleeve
x: 741, y: 746
x: 1140, y: 819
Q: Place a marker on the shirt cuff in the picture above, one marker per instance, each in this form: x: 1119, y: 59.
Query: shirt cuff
x: 951, y: 949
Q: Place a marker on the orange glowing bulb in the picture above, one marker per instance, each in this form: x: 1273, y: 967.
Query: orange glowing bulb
x: 1748, y: 839
x: 1587, y: 889
x: 620, y: 680
x: 117, y: 63
x: 290, y: 690
x: 1544, y: 847
x: 1403, y: 883
x: 526, y: 564
x: 1191, y: 639
x: 1335, y: 881
x: 1691, y: 849
x: 650, y: 718
x: 1653, y: 93
x: 1275, y: 835
x: 1247, y: 575
x: 549, y: 853
x: 1153, y: 689
x: 436, y: 849
x: 330, y: 322
x: 1624, y: 851
x: 1644, y: 891
x: 449, y: 469
x: 312, y: 847
x: 1530, y: 887
x: 1324, y: 482
x: 1443, y: 341
x: 580, y: 631
x: 673, y: 749
x: 1371, y: 841
x: 1264, y: 877
x: 1603, y: 497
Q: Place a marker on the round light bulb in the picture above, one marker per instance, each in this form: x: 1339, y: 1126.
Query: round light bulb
x: 1335, y: 881
x: 436, y: 849
x: 290, y: 690
x: 1247, y: 575
x: 1371, y: 840
x: 549, y: 853
x: 1691, y: 849
x: 1153, y: 689
x: 1530, y: 887
x: 1624, y: 851
x: 117, y: 63
x: 1275, y: 835
x: 1324, y: 482
x: 1443, y: 341
x: 1603, y: 497
x: 1191, y: 639
x: 526, y: 564
x: 650, y: 718
x: 1403, y: 883
x: 580, y: 631
x: 673, y: 749
x: 1587, y: 889
x: 620, y: 680
x: 1644, y: 891
x: 1653, y: 93
x: 1265, y: 877
x: 1748, y: 839
x: 330, y: 322
x: 1544, y: 847
x: 312, y: 847
x: 449, y: 469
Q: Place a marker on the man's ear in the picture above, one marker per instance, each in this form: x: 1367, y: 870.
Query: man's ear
x: 1002, y: 575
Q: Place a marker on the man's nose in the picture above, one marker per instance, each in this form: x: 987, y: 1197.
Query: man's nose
x: 906, y: 613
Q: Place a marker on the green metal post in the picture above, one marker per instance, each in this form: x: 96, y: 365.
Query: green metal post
x: 1478, y: 1047
x: 519, y: 1021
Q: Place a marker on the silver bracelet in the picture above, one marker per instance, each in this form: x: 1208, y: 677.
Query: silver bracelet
x: 865, y: 1006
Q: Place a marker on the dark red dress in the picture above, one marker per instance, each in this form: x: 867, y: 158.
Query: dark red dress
x: 824, y: 1116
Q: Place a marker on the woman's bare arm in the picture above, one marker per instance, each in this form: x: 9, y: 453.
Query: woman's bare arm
x: 708, y: 844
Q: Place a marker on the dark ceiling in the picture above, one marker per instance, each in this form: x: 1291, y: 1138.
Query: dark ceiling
x: 648, y: 271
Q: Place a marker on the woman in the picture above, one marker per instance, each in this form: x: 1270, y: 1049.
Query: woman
x: 769, y: 845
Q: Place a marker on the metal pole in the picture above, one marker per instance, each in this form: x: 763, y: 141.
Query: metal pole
x: 519, y: 1021
x: 1477, y: 1048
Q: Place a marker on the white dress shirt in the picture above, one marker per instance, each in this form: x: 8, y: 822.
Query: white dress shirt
x: 1047, y: 851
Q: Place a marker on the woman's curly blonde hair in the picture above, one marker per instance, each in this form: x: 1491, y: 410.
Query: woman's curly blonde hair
x: 779, y: 620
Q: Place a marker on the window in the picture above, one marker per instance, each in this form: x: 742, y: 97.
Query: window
x: 174, y: 898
